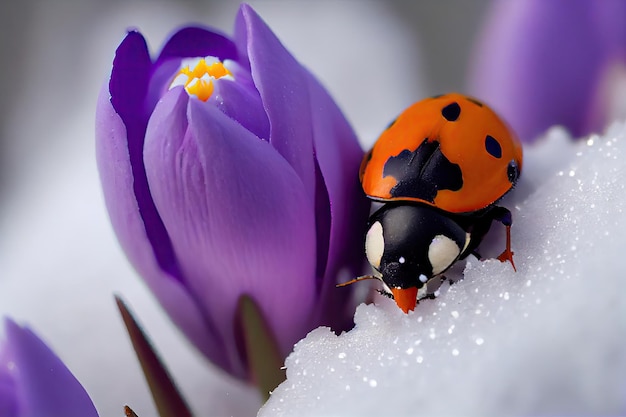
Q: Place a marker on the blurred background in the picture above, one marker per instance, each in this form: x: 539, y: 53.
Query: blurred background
x: 59, y: 260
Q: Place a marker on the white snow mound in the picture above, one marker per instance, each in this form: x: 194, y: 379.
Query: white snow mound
x: 547, y: 339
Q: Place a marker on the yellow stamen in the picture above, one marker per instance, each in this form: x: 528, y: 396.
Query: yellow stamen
x: 198, y: 81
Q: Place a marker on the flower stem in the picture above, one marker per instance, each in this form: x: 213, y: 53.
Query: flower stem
x: 264, y: 357
x: 165, y: 394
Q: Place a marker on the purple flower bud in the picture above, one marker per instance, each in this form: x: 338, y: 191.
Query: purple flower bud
x: 33, y: 380
x: 228, y: 170
x: 542, y: 63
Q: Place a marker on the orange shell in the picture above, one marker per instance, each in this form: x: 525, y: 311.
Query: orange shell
x: 477, y: 158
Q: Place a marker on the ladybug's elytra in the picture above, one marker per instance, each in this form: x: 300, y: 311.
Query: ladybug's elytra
x: 451, y: 151
x: 440, y: 167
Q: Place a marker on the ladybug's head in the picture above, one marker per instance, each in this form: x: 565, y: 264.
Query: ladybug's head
x: 409, y: 244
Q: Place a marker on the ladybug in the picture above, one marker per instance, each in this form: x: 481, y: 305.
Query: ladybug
x: 439, y: 168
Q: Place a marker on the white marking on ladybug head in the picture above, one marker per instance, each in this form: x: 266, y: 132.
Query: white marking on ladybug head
x: 442, y: 252
x: 375, y: 244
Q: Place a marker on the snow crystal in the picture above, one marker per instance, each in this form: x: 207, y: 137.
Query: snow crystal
x: 547, y: 339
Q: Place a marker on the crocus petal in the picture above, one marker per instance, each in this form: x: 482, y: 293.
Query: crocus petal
x: 128, y: 88
x: 117, y: 180
x: 339, y: 156
x: 129, y: 81
x: 242, y: 104
x: 46, y: 387
x: 609, y: 22
x: 8, y: 394
x: 539, y: 62
x: 282, y: 83
x: 234, y: 208
x: 197, y: 42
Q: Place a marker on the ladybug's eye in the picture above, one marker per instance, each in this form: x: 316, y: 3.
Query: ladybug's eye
x: 493, y: 147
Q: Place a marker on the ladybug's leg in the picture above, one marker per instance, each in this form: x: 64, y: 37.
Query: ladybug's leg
x: 503, y: 215
x: 507, y: 254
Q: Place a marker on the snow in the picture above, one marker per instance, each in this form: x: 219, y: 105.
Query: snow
x: 547, y: 339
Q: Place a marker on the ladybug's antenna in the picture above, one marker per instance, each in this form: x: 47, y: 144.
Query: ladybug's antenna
x: 352, y: 281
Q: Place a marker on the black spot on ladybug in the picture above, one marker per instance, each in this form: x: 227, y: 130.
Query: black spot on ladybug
x: 423, y: 172
x: 476, y: 102
x: 512, y: 172
x: 451, y: 112
x: 493, y: 146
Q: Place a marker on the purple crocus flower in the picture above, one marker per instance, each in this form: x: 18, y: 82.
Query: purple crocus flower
x: 542, y: 63
x: 228, y: 170
x: 33, y: 380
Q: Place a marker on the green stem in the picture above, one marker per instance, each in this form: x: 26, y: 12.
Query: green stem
x: 264, y: 357
x: 167, y: 398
